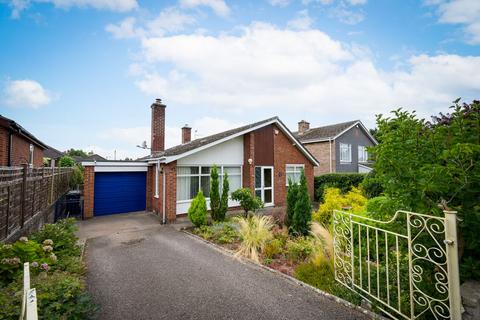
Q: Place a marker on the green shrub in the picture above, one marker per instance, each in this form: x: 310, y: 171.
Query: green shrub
x: 254, y: 232
x: 382, y: 207
x: 224, y: 198
x: 273, y: 248
x: 224, y: 233
x: 371, y: 185
x: 62, y: 233
x: 248, y: 201
x: 302, y: 215
x: 299, y: 249
x: 292, y: 193
x: 214, y: 194
x: 77, y: 176
x: 66, y: 161
x: 343, y: 181
x: 197, y: 213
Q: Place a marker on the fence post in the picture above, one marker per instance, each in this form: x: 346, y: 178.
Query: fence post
x: 452, y: 265
x: 24, y: 192
x: 52, y: 185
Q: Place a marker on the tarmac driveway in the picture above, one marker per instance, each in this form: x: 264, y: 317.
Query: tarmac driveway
x: 138, y: 269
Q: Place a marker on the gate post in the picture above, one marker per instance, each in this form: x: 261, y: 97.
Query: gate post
x: 452, y: 265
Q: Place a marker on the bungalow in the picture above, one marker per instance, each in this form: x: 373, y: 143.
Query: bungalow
x: 18, y: 146
x: 340, y: 147
x: 261, y: 156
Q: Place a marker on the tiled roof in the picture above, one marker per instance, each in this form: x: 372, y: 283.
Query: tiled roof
x: 52, y: 153
x: 12, y: 125
x: 325, y: 132
x: 200, y: 142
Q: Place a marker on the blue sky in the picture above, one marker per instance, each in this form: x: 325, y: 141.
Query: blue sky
x: 83, y: 73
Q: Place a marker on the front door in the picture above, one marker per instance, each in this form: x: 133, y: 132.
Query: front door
x: 264, y: 184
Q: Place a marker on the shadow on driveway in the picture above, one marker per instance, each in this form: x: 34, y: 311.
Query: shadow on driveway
x: 139, y: 269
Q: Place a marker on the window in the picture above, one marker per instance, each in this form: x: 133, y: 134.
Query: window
x: 192, y: 179
x: 362, y: 154
x: 294, y: 172
x: 345, y: 152
x: 30, y: 162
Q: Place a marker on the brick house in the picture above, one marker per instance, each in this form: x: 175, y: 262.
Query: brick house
x: 18, y: 146
x: 340, y: 147
x: 260, y: 156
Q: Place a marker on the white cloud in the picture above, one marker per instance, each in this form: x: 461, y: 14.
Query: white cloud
x: 295, y: 72
x: 346, y: 15
x: 279, y: 3
x: 218, y: 6
x: 113, y: 5
x: 302, y: 21
x: 463, y: 12
x: 125, y: 29
x: 357, y: 2
x: 170, y: 20
x: 26, y: 93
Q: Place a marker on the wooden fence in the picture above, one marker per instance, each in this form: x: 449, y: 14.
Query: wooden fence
x: 26, y: 192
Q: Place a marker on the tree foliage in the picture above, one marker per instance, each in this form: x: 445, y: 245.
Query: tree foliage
x: 197, y: 213
x: 248, y: 201
x: 292, y: 193
x: 215, y: 194
x: 432, y: 165
x: 76, y: 153
x: 66, y: 161
x: 302, y: 215
x: 224, y: 198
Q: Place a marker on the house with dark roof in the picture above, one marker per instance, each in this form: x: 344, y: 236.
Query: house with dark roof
x: 51, y: 156
x: 340, y: 147
x: 18, y: 146
x: 261, y: 156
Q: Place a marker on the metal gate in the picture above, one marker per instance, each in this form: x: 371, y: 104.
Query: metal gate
x: 407, y: 266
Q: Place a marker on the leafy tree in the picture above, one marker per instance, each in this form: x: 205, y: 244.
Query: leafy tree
x: 302, y: 215
x: 214, y: 194
x: 292, y: 193
x: 224, y: 199
x: 430, y: 166
x: 76, y: 152
x: 77, y: 176
x: 66, y: 161
x: 247, y: 200
x: 197, y: 213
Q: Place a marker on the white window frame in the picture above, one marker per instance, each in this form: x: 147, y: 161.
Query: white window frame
x: 362, y: 154
x: 157, y: 170
x: 349, y: 147
x: 297, y: 168
x: 220, y: 176
x: 262, y: 187
x: 31, y: 149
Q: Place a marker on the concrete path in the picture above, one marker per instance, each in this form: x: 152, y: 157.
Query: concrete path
x: 138, y: 269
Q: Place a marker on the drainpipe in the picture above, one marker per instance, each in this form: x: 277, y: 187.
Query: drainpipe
x: 163, y: 195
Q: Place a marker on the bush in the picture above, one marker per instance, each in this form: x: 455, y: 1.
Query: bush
x: 225, y: 196
x: 292, y: 193
x: 254, y: 232
x: 214, y: 194
x: 221, y: 232
x: 248, y: 201
x: 66, y: 161
x: 335, y: 200
x: 273, y: 248
x: 382, y: 207
x: 342, y: 181
x: 371, y: 185
x: 302, y: 215
x: 63, y: 236
x: 299, y: 249
x: 77, y: 177
x: 197, y: 213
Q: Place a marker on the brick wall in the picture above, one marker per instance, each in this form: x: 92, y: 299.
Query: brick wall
x: 158, y: 126
x: 3, y: 147
x: 150, y: 188
x: 249, y: 153
x: 88, y: 191
x: 286, y: 153
x: 21, y: 152
x: 321, y: 151
x: 171, y: 191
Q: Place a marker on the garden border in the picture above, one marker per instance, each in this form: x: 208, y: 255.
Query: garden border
x: 286, y: 276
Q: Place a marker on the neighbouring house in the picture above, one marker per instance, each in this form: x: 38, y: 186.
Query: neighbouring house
x: 18, y: 146
x: 51, y: 156
x: 90, y: 157
x: 260, y: 156
x: 340, y: 147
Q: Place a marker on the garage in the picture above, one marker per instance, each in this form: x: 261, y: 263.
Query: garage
x: 113, y: 187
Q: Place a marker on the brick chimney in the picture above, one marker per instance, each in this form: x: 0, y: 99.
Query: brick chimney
x: 158, y: 126
x: 303, y: 126
x: 186, y: 134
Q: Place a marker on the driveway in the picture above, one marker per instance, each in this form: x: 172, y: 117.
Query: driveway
x: 138, y: 269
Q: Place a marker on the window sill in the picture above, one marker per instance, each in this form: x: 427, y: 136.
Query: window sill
x: 345, y: 162
x: 156, y: 196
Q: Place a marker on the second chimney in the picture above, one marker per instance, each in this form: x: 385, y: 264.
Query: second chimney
x: 158, y: 126
x: 186, y: 134
x: 303, y: 126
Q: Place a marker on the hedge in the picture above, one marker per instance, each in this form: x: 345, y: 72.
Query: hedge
x: 343, y: 181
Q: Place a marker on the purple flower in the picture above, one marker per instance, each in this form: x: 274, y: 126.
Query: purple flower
x: 45, y: 266
x: 35, y: 264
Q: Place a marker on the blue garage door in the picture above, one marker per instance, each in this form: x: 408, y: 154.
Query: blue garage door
x: 119, y: 192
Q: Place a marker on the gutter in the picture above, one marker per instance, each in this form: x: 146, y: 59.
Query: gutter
x: 163, y: 196
x: 330, y: 160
